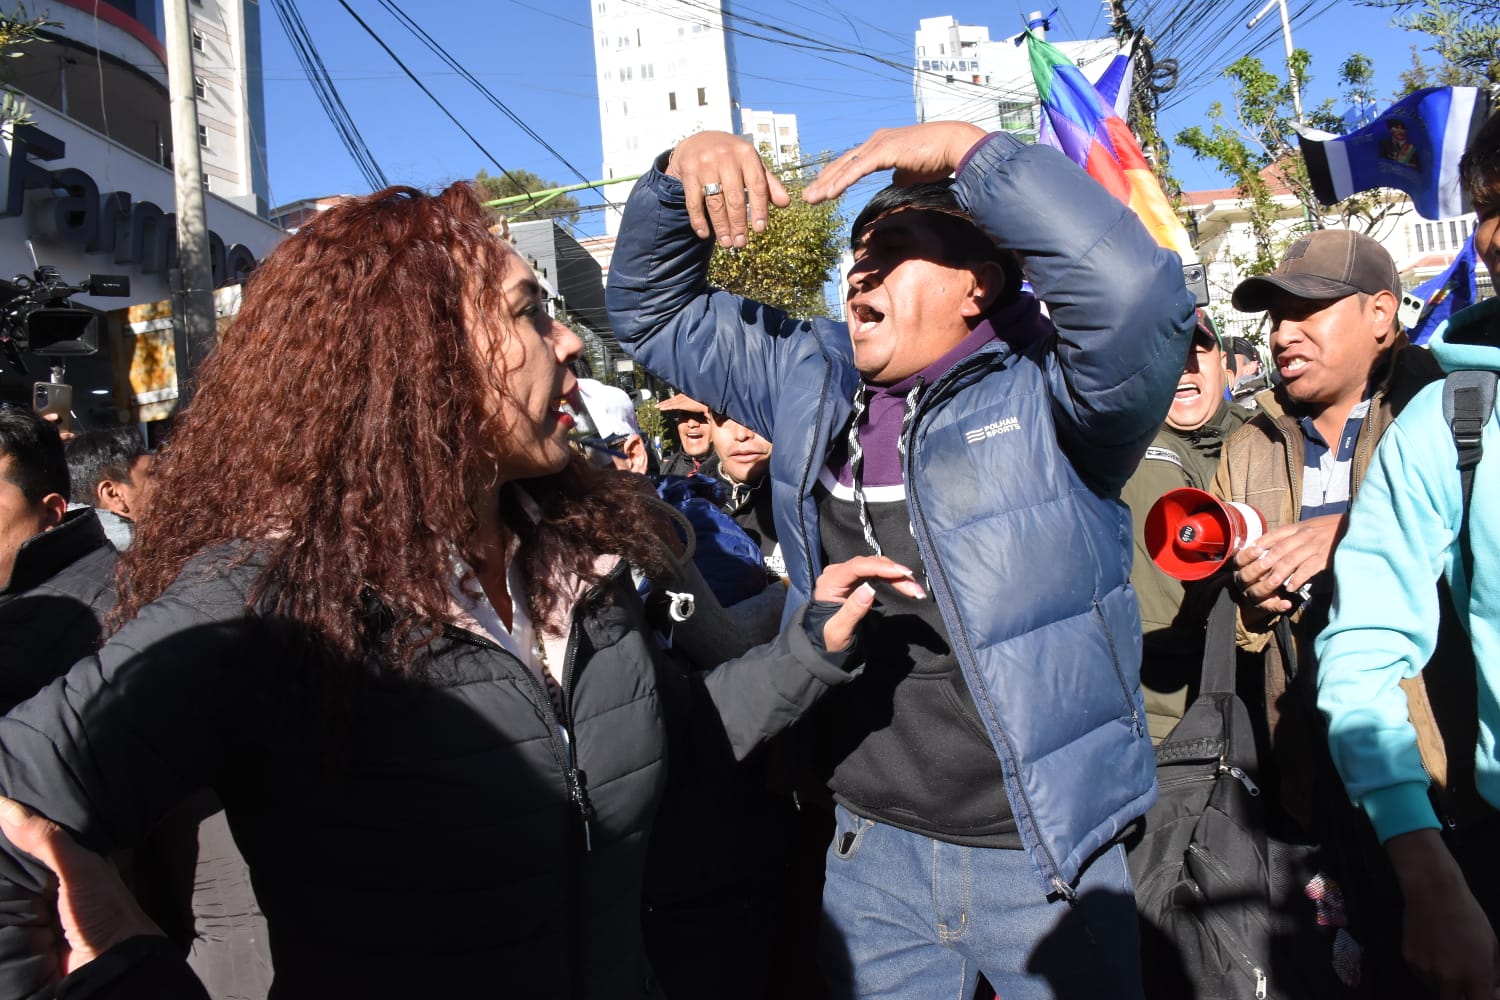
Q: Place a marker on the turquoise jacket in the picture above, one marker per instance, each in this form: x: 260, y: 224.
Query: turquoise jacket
x: 1403, y: 532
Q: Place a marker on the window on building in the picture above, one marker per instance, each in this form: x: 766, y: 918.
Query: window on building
x: 764, y: 128
x: 1454, y: 239
x: 1417, y: 232
x: 783, y: 130
x: 197, y: 41
x: 1015, y: 116
x: 637, y: 36
x: 921, y: 50
x: 599, y: 7
x: 200, y: 88
x: 203, y: 136
x: 941, y: 50
x: 672, y: 100
x: 627, y: 73
x: 625, y: 108
x: 702, y: 96
x: 648, y: 72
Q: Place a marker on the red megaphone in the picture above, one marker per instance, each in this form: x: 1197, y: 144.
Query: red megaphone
x: 1190, y: 533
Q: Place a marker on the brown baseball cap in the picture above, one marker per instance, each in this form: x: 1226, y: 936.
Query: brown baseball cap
x: 1322, y: 266
x: 686, y: 404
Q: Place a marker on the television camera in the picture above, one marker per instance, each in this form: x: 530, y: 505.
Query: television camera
x: 38, y: 316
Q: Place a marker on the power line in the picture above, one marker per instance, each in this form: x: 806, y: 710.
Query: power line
x: 327, y: 94
x: 440, y: 106
x: 488, y: 95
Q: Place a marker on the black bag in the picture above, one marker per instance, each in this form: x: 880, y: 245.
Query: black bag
x: 1199, y: 858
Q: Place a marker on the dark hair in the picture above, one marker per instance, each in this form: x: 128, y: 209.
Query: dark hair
x: 345, y: 425
x: 97, y: 455
x: 1479, y: 168
x: 37, y: 466
x: 964, y: 242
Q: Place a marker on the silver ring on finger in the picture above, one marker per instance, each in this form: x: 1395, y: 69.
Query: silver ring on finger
x: 712, y: 188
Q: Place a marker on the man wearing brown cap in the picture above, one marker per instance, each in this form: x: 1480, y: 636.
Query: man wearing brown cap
x: 1346, y: 370
x: 694, y: 437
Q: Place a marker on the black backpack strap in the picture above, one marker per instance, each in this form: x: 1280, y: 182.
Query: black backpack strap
x: 1219, y: 648
x: 1468, y: 401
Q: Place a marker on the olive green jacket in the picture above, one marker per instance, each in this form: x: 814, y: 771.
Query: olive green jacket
x: 1173, y: 650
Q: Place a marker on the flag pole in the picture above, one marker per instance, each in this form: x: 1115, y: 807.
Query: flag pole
x: 1286, y: 37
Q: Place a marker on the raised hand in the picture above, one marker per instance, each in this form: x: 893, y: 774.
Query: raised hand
x: 726, y: 185
x: 918, y: 154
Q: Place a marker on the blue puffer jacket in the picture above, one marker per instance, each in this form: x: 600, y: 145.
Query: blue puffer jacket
x: 1014, y: 462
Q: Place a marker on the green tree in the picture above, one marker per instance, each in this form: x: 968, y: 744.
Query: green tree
x: 17, y: 28
x: 649, y: 419
x: 1254, y: 147
x: 518, y: 181
x: 787, y: 265
x: 1465, y: 39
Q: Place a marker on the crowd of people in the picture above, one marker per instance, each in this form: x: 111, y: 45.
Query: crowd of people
x: 408, y: 666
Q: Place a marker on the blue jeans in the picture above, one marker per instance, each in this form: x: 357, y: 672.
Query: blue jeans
x: 906, y: 916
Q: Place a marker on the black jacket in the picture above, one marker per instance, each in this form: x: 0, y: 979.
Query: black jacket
x: 52, y: 610
x: 405, y: 837
x: 683, y: 464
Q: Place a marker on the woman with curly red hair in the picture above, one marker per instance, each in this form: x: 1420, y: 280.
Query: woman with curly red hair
x: 385, y: 613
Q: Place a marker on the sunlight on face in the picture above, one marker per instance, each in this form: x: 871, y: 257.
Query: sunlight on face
x: 527, y: 352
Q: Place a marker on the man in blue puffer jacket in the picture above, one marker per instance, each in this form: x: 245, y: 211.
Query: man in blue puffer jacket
x: 997, y: 746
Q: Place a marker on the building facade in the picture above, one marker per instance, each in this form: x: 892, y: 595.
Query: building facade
x: 89, y: 189
x: 1220, y: 221
x: 664, y: 71
x: 775, y: 135
x: 961, y: 75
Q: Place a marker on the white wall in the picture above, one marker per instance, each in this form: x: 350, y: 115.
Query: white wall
x: 663, y: 73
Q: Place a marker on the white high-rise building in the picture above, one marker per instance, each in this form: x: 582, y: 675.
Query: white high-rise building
x: 961, y: 75
x: 664, y: 71
x: 772, y: 133
x: 231, y: 108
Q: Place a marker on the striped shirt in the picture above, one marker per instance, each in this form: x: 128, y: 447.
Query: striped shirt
x: 1327, y: 472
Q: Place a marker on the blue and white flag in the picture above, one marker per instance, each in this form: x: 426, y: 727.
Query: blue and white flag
x: 1446, y: 294
x: 1413, y: 147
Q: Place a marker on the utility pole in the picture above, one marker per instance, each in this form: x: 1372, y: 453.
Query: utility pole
x: 193, y: 321
x: 1286, y: 37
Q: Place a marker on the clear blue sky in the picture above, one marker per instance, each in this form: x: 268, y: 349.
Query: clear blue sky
x: 536, y: 56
